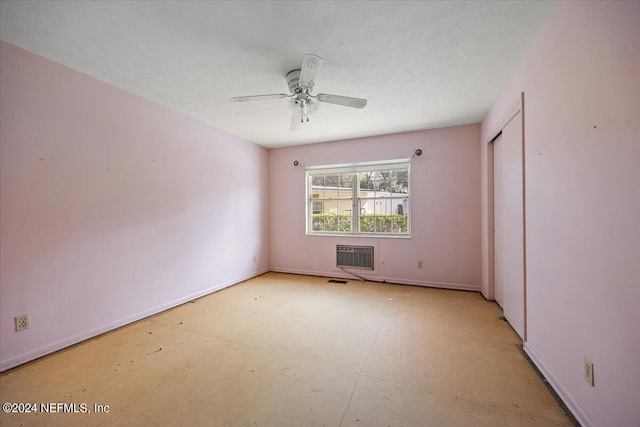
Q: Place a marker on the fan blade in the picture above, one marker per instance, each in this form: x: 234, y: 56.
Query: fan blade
x: 259, y: 97
x: 346, y: 101
x: 296, y: 120
x: 310, y: 66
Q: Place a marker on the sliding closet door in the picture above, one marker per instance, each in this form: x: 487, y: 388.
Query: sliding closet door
x: 508, y: 212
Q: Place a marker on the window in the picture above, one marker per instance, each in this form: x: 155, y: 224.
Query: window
x: 359, y: 198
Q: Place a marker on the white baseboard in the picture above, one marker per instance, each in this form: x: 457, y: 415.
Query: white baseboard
x: 442, y: 285
x: 309, y: 272
x: 573, y: 406
x: 59, y: 345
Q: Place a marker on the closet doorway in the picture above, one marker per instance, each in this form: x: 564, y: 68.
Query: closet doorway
x: 508, y: 221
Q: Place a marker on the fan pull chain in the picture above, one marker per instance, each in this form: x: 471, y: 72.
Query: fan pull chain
x: 305, y: 112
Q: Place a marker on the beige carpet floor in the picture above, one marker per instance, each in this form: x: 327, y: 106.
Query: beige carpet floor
x: 288, y: 350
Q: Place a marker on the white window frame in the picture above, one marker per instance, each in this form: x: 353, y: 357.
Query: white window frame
x: 356, y: 168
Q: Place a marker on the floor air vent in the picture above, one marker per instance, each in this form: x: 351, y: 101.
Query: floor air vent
x: 354, y: 257
x: 340, y: 282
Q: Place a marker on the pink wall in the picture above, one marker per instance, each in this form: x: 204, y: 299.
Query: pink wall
x: 581, y: 79
x: 113, y: 207
x: 445, y: 212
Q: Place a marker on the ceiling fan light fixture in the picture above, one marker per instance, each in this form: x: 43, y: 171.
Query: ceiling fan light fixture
x: 312, y: 105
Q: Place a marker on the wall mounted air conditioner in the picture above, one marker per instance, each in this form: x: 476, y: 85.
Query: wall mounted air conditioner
x: 354, y: 256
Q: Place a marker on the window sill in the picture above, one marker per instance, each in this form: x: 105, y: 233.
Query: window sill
x: 377, y: 236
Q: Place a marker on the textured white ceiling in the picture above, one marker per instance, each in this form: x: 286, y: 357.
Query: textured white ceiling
x: 420, y: 65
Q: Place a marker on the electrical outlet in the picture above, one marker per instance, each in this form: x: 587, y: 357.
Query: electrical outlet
x: 420, y: 265
x: 588, y: 372
x: 22, y: 322
x: 255, y: 259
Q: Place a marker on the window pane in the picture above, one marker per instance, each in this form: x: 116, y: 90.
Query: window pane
x: 367, y: 216
x: 318, y: 222
x: 345, y: 186
x: 345, y: 223
x: 331, y: 217
x: 316, y: 187
x: 385, y: 216
x: 331, y: 181
x: 383, y: 183
x: 401, y: 181
x: 333, y: 186
x: 367, y: 184
x: 346, y: 180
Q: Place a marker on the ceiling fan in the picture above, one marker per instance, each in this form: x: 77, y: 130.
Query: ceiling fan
x: 300, y: 84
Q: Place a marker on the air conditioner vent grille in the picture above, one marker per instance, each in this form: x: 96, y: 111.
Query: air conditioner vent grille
x: 354, y: 256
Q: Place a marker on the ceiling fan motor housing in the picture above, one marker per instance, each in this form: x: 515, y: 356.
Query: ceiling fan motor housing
x: 293, y: 81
